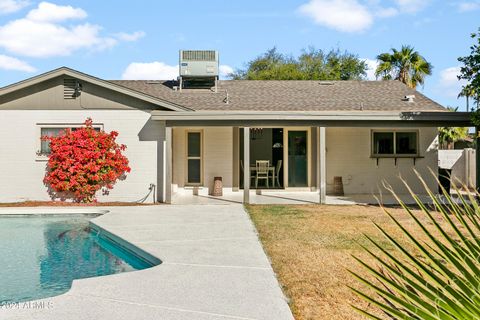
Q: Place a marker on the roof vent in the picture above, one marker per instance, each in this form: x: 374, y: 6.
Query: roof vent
x: 409, y: 98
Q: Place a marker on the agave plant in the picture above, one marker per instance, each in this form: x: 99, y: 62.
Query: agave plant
x: 434, y: 279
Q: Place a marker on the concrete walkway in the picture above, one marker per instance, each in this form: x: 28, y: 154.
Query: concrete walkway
x: 281, y: 197
x: 213, y: 267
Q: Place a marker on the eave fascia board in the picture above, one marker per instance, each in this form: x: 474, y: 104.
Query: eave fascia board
x: 312, y: 115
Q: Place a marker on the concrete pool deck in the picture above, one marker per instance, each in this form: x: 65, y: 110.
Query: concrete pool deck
x: 213, y: 267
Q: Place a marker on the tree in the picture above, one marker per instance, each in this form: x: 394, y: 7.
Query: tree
x: 312, y: 64
x: 447, y: 136
x: 84, y: 161
x: 405, y: 65
x: 470, y: 70
x: 467, y: 92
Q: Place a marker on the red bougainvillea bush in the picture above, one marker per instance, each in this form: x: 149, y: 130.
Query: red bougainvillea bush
x: 83, y: 161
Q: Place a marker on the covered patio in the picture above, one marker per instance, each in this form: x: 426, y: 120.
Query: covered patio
x: 343, y: 124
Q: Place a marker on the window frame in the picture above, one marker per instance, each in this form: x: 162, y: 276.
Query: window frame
x: 395, y: 154
x: 201, y: 158
x: 63, y: 125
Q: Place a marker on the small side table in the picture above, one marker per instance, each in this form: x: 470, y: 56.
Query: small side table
x: 217, y: 187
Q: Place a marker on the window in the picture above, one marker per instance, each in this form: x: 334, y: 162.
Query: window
x: 406, y: 142
x: 395, y: 143
x: 50, y: 132
x: 194, y: 157
x: 55, y: 131
x: 383, y: 143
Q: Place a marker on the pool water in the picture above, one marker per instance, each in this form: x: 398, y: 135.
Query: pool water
x: 41, y: 255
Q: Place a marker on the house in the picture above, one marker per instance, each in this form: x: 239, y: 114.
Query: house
x: 179, y: 136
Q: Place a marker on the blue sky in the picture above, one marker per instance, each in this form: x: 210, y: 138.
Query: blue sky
x: 141, y: 39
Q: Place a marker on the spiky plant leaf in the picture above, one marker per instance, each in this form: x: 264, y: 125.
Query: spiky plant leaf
x: 436, y: 279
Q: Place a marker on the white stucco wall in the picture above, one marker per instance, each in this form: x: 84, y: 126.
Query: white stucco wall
x: 22, y: 172
x: 217, y: 155
x: 348, y: 156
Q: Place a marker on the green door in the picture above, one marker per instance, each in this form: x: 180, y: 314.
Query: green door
x: 297, y: 159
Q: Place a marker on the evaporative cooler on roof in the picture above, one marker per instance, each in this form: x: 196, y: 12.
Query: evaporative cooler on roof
x: 198, y: 68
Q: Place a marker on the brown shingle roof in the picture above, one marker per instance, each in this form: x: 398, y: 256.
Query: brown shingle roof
x: 290, y: 95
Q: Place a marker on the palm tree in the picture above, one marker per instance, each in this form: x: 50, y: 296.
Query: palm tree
x: 447, y: 136
x: 467, y: 92
x: 405, y: 65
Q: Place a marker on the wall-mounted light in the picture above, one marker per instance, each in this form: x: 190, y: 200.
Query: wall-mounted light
x: 277, y: 145
x: 78, y: 89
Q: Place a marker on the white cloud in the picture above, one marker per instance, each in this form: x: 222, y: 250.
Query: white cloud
x: 357, y: 15
x: 44, y: 39
x: 341, y: 15
x: 448, y: 84
x: 130, y: 36
x: 468, y: 6
x: 386, y: 12
x: 412, y: 6
x: 48, y: 31
x: 49, y: 12
x: 150, y: 71
x: 160, y: 71
x: 10, y: 6
x: 372, y: 66
x: 225, y: 70
x: 10, y: 63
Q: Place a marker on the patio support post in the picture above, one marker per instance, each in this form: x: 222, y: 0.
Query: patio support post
x: 168, y: 165
x: 246, y: 165
x: 322, y: 165
x: 236, y: 160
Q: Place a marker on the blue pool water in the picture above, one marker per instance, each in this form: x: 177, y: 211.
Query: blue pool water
x: 41, y: 255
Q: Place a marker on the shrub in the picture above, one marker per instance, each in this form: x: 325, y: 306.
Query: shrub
x: 83, y: 161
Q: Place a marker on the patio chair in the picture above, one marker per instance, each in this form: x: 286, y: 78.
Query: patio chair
x: 276, y: 175
x: 262, y: 172
x: 252, y: 176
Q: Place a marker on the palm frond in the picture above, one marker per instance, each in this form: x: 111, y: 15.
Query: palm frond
x: 405, y: 65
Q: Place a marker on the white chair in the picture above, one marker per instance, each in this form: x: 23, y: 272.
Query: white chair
x: 262, y: 172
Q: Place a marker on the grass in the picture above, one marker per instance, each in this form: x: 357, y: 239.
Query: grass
x: 311, y: 248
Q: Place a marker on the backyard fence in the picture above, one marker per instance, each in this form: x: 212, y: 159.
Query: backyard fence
x: 462, y: 164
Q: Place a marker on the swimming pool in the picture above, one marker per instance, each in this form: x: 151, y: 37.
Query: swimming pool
x: 42, y: 254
